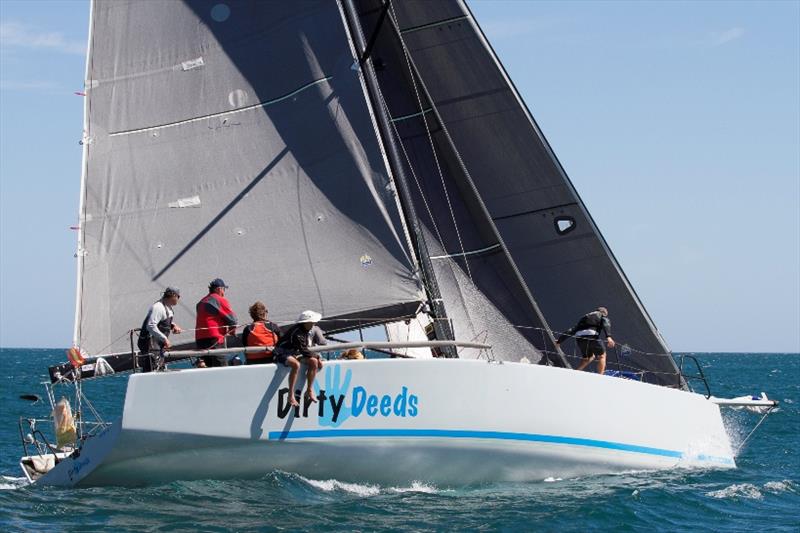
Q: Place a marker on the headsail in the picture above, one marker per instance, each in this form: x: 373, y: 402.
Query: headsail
x: 484, y: 294
x: 561, y: 254
x: 232, y: 140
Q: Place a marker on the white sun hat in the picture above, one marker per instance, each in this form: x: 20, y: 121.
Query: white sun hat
x: 309, y: 316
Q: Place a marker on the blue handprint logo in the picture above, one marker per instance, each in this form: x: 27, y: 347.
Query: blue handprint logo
x: 332, y: 411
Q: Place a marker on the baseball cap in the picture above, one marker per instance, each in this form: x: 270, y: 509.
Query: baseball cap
x: 172, y: 291
x: 216, y: 283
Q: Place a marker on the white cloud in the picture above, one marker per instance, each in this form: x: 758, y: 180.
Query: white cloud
x: 718, y: 38
x: 16, y: 34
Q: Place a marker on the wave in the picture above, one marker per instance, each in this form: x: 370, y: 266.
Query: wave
x: 12, y: 483
x: 739, y: 490
x: 331, y: 485
x: 750, y: 491
x: 780, y: 486
x: 366, y: 490
x: 416, y: 486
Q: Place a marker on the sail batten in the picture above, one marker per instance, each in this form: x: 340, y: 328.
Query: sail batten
x: 224, y: 113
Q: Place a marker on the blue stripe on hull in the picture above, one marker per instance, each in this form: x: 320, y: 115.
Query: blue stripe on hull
x: 467, y: 434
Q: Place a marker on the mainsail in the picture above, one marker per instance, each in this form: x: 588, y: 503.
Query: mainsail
x: 545, y: 226
x: 232, y: 140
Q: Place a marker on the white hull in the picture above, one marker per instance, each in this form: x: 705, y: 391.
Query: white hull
x: 443, y: 421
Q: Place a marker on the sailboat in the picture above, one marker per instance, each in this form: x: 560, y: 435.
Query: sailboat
x: 371, y: 160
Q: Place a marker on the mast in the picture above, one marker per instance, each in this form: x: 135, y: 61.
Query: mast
x: 85, y: 141
x: 438, y: 312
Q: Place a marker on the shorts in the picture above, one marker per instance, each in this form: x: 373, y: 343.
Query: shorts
x: 281, y: 355
x: 262, y: 361
x: 590, y: 347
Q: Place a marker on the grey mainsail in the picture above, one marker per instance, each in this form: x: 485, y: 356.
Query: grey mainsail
x: 561, y: 254
x: 232, y: 140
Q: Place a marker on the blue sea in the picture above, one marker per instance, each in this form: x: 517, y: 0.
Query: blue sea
x: 763, y: 494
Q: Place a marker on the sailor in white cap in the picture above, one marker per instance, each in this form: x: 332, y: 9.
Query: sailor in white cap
x: 293, y: 348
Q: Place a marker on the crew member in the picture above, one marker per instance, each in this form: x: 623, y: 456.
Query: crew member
x: 157, y: 326
x: 215, y: 321
x: 293, y: 346
x: 587, y: 334
x: 261, y: 332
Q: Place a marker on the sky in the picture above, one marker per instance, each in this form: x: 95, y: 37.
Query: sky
x: 678, y: 123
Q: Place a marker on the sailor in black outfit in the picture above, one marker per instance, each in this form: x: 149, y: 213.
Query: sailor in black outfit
x: 587, y: 334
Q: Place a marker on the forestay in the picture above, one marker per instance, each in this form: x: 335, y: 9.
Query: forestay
x: 232, y: 139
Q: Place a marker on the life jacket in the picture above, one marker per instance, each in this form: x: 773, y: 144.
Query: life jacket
x: 260, y: 335
x: 214, y: 316
x: 164, y: 326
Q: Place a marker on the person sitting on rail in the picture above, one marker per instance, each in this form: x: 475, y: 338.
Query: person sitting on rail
x: 587, y: 336
x: 215, y: 321
x: 261, y: 332
x: 293, y: 347
x: 157, y: 325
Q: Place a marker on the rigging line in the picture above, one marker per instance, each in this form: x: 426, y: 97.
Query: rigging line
x: 632, y: 349
x: 224, y: 113
x: 414, y: 174
x: 769, y: 410
x: 412, y: 115
x: 407, y: 57
x: 471, y: 252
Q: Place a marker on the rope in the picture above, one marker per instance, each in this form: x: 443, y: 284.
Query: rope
x: 769, y: 410
x: 407, y: 57
x: 556, y: 334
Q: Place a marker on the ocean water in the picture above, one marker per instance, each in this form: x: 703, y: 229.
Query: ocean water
x: 763, y: 494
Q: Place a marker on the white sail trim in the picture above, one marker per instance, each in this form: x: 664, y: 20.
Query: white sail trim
x: 471, y: 252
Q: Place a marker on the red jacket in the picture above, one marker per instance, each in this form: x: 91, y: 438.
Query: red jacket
x: 214, y: 313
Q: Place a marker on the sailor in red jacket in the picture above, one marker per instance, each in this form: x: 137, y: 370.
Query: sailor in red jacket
x: 215, y: 320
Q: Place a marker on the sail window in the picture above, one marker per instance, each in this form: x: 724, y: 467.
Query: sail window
x: 564, y: 224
